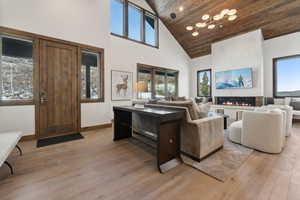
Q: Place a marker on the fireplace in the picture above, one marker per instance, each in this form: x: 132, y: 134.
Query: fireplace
x: 239, y: 101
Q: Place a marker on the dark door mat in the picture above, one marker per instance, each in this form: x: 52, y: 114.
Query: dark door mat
x: 59, y: 139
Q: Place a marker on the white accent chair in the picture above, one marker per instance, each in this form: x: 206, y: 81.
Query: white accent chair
x: 288, y: 116
x: 9, y: 141
x: 262, y: 130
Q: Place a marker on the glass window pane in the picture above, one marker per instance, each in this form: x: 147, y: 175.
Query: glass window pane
x: 204, y: 83
x: 160, y: 84
x: 117, y: 16
x: 171, y: 84
x: 150, y: 33
x: 144, y: 87
x: 16, y: 69
x: 134, y: 22
x: 288, y: 81
x: 90, y: 75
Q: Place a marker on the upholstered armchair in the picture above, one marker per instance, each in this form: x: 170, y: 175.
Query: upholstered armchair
x: 288, y: 116
x: 262, y: 130
x: 200, y: 135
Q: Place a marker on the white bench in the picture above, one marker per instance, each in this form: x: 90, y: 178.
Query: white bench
x: 9, y: 141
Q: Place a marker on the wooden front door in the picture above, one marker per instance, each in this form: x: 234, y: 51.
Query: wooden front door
x: 58, y: 90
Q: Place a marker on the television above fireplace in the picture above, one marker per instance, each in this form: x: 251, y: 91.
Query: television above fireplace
x: 230, y: 79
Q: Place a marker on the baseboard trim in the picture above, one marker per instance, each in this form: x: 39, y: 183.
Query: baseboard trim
x: 296, y: 120
x: 97, y: 127
x: 28, y: 138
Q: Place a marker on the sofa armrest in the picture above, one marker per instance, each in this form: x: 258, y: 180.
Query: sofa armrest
x: 206, y: 119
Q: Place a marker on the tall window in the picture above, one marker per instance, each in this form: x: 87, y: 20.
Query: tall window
x: 133, y: 22
x: 204, y: 83
x: 150, y: 32
x: 160, y: 82
x: 287, y: 76
x: 144, y: 83
x: 172, y: 84
x: 117, y: 17
x: 16, y: 69
x: 91, y: 76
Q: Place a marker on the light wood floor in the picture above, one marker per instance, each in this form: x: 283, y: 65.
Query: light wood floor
x: 98, y: 168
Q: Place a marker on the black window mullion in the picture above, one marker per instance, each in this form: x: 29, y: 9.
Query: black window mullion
x: 88, y: 82
x: 125, y: 20
x: 156, y: 32
x: 153, y: 84
x: 143, y: 26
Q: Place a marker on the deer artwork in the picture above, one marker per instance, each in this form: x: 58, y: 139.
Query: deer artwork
x: 123, y: 86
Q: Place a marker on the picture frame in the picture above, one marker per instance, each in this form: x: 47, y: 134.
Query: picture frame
x: 121, y: 85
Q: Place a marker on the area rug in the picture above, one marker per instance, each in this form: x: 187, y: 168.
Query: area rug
x: 222, y: 164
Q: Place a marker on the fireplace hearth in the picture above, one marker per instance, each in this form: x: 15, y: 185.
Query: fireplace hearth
x: 239, y: 101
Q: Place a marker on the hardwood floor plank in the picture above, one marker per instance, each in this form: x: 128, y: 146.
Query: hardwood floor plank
x: 98, y: 168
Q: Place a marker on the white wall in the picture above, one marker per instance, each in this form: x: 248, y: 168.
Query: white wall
x: 197, y: 64
x: 87, y: 22
x: 243, y: 51
x: 278, y: 47
x: 286, y: 45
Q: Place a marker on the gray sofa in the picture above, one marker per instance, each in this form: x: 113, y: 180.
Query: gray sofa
x: 200, y: 135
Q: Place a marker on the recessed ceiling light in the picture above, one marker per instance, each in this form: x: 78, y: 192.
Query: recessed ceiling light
x: 218, y: 17
x: 232, y: 17
x: 205, y: 17
x: 232, y: 12
x: 196, y: 33
x: 181, y: 9
x: 200, y: 25
x: 224, y: 12
x: 189, y: 28
x: 211, y: 26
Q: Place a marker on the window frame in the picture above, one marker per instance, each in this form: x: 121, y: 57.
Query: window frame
x: 100, y: 52
x: 275, y: 75
x: 153, y: 70
x: 35, y: 58
x: 143, y: 36
x: 210, y: 85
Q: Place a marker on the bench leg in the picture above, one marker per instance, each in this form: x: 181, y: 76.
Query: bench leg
x: 20, y: 150
x: 10, y: 167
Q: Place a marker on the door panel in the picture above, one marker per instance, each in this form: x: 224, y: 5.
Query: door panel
x: 59, y: 105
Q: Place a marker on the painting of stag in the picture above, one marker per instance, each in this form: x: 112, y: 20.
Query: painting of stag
x: 121, y: 85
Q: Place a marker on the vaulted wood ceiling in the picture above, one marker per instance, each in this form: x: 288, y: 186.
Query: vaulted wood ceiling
x: 274, y: 17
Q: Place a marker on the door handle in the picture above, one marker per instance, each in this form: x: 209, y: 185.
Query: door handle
x: 43, y: 97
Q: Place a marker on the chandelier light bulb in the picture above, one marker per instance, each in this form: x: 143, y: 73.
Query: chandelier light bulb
x: 189, y: 28
x: 232, y: 17
x: 232, y: 12
x: 217, y: 17
x: 224, y: 12
x: 200, y: 25
x: 181, y: 8
x: 211, y: 26
x: 196, y: 33
x: 205, y: 17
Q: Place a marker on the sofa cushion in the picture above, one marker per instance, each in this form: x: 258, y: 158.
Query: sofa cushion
x: 189, y: 104
x: 235, y: 131
x: 203, y: 109
x: 295, y: 105
x: 178, y: 99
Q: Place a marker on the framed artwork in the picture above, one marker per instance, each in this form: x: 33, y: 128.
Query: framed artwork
x: 121, y: 85
x: 239, y: 78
